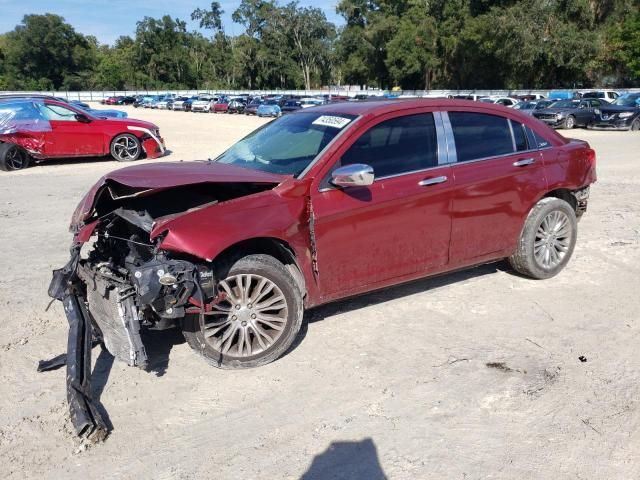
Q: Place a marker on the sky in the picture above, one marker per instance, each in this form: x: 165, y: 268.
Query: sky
x: 109, y: 19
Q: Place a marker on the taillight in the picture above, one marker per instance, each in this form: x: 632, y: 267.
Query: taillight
x: 591, y: 158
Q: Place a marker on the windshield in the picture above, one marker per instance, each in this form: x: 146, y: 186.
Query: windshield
x: 627, y: 101
x: 287, y: 145
x: 565, y: 104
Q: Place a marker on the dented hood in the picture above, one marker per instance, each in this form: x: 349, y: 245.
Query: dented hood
x: 140, y: 180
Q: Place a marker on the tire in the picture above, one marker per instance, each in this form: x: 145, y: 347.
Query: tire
x: 531, y: 253
x: 125, y: 147
x: 12, y: 157
x: 237, y: 317
x: 635, y: 125
x: 569, y: 122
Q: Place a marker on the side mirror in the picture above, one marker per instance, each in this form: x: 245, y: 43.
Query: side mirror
x: 355, y: 175
x: 82, y: 118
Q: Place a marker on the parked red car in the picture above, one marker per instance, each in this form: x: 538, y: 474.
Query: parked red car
x: 316, y: 206
x: 42, y: 128
x: 221, y: 106
x: 112, y: 100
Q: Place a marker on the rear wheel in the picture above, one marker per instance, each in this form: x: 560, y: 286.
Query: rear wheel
x: 547, y: 240
x: 256, y: 321
x: 13, y: 157
x: 126, y: 148
x: 635, y: 126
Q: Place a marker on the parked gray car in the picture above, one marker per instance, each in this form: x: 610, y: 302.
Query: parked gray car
x: 570, y: 113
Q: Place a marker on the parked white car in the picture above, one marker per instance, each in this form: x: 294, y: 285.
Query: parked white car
x: 311, y: 102
x: 203, y: 103
x: 608, y: 95
x: 506, y: 101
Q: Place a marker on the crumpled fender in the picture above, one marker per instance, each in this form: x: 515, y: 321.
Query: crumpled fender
x: 281, y: 213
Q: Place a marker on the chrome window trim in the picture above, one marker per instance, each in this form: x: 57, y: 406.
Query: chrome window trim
x: 452, y: 154
x: 441, y: 138
x: 317, y: 158
x: 495, y: 157
x: 396, y: 175
x: 513, y: 137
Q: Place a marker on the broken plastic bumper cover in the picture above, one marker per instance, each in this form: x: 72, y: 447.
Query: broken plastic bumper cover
x: 85, y: 417
x: 119, y: 332
x: 109, y: 304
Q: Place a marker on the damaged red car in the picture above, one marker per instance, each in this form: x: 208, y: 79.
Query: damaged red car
x: 313, y: 207
x: 43, y: 128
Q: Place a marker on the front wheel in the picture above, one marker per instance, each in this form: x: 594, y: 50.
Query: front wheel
x: 569, y: 122
x: 126, y: 148
x: 547, y: 240
x: 635, y: 126
x: 13, y: 157
x: 257, y: 319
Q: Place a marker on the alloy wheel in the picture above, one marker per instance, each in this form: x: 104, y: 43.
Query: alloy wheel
x: 250, y: 319
x: 15, y: 159
x: 553, y: 239
x: 126, y: 148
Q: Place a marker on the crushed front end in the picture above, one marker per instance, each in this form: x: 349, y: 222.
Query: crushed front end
x: 124, y: 276
x: 122, y: 285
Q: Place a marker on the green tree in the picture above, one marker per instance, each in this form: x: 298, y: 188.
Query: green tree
x: 46, y: 52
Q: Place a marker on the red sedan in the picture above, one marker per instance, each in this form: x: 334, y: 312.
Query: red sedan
x: 42, y: 128
x: 112, y: 100
x: 221, y: 106
x: 319, y: 205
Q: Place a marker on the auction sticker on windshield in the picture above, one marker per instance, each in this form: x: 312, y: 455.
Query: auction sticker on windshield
x: 330, y: 121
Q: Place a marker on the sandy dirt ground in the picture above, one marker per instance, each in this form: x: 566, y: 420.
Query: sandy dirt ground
x: 472, y: 375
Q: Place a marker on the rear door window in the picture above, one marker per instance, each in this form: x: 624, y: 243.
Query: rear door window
x: 480, y: 135
x: 399, y: 145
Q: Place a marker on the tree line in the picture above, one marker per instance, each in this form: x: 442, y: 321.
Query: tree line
x: 413, y: 44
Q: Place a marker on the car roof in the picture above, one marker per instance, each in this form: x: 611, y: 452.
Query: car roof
x: 381, y: 107
x: 13, y: 96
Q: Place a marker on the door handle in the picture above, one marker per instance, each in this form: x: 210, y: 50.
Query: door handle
x: 432, y: 181
x: 524, y: 162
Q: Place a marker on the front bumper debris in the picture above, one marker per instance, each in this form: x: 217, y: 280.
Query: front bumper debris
x: 85, y: 417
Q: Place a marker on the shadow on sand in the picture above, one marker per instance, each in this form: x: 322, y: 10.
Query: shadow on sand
x: 346, y: 461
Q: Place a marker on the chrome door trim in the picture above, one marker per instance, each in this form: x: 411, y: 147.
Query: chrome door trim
x: 513, y: 137
x: 452, y: 156
x: 440, y: 138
